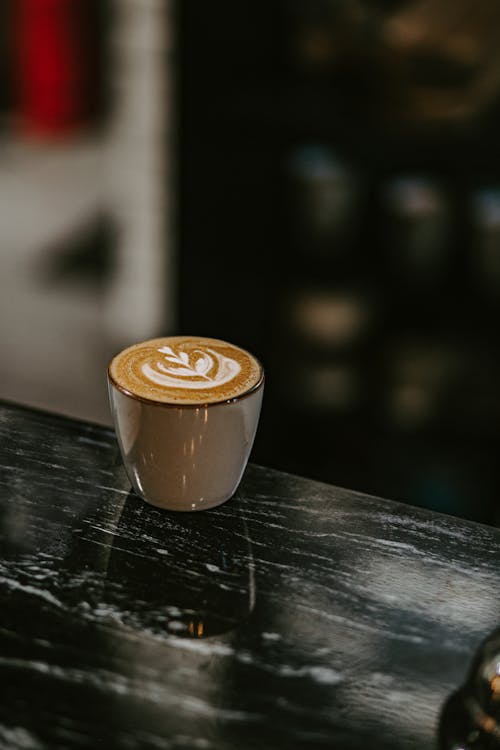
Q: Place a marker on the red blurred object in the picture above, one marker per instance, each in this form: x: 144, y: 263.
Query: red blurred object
x: 51, y: 74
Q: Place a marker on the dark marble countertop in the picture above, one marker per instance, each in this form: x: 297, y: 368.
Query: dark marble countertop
x: 296, y: 615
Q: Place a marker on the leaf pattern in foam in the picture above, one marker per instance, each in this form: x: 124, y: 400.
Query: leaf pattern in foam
x: 202, y: 365
x: 167, y: 350
x: 169, y: 376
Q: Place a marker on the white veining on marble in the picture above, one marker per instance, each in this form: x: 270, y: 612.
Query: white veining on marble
x: 18, y: 738
x: 364, y: 613
x: 31, y: 590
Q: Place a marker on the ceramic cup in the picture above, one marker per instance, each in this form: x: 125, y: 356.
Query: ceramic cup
x: 186, y: 411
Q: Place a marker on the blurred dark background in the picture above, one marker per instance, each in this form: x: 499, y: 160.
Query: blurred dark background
x: 317, y: 181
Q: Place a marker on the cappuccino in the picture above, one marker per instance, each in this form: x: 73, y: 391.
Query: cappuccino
x: 185, y: 410
x: 185, y: 370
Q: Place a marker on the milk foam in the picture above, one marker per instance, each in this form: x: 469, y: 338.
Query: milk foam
x: 200, y: 369
x: 185, y: 370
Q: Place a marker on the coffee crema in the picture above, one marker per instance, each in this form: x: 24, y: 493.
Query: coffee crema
x: 185, y: 370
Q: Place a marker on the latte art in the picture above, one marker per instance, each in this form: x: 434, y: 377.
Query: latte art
x: 210, y: 369
x: 185, y: 369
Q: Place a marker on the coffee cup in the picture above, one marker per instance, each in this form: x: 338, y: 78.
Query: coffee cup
x: 186, y: 411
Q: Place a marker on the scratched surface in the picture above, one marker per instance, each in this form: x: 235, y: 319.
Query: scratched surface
x: 296, y: 615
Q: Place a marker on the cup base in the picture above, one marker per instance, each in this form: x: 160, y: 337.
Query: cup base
x: 185, y: 507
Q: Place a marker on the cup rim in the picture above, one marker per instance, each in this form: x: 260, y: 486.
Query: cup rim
x: 179, y: 405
